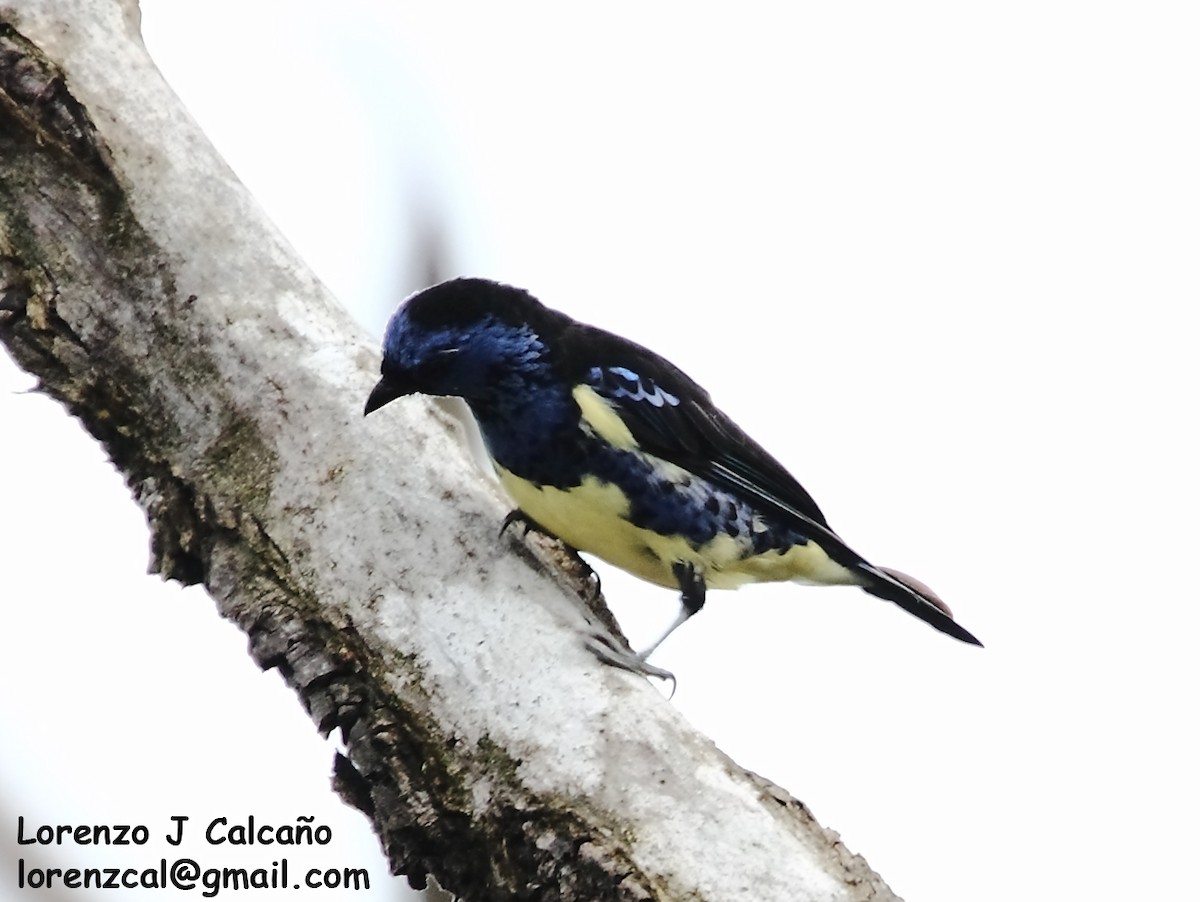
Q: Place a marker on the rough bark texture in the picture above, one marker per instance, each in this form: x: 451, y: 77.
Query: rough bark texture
x: 139, y: 282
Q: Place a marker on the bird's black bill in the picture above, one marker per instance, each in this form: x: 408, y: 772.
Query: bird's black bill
x: 384, y: 392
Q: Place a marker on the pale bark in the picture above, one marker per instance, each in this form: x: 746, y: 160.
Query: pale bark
x: 143, y: 287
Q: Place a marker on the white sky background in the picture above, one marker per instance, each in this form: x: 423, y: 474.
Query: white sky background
x: 940, y: 260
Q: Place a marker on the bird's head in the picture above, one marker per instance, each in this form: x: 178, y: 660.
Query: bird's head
x: 470, y: 338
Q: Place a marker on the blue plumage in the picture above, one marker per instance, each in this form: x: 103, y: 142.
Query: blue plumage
x: 617, y: 452
x: 526, y: 416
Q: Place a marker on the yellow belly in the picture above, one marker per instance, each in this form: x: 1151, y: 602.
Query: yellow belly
x: 593, y: 517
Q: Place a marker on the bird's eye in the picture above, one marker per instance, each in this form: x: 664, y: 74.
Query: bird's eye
x: 438, y: 363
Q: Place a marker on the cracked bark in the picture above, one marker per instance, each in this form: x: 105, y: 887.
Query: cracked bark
x: 141, y: 285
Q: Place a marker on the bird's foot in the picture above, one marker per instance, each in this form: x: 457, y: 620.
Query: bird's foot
x: 608, y: 651
x: 522, y: 519
x: 604, y: 642
x: 584, y: 570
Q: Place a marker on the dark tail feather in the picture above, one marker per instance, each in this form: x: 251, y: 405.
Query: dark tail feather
x: 916, y: 598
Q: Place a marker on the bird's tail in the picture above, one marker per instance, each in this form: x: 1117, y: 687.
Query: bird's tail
x: 915, y: 597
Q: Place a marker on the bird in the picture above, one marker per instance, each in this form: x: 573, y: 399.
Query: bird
x: 615, y: 451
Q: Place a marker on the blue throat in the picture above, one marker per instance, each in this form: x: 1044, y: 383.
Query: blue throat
x: 534, y: 430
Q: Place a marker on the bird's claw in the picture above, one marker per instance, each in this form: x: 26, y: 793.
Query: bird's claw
x: 518, y: 516
x: 604, y: 645
x: 606, y: 651
x: 528, y: 524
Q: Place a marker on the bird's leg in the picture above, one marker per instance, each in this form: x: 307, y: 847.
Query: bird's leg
x: 691, y: 599
x: 529, y: 525
x: 602, y: 642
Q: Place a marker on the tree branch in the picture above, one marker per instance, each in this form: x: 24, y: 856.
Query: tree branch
x: 141, y: 284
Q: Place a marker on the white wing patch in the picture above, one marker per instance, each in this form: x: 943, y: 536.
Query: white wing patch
x: 622, y: 382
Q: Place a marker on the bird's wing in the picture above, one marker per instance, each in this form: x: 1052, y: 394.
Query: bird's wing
x: 671, y: 417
